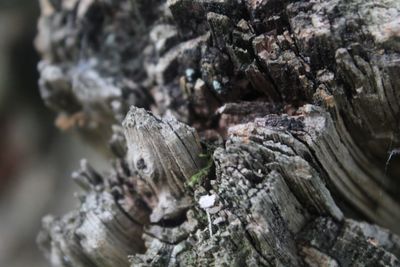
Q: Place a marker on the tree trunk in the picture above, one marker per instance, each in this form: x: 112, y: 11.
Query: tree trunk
x: 270, y: 136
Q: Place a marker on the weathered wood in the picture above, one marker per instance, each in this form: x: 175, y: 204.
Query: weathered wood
x: 107, y: 227
x: 162, y: 155
x: 166, y: 154
x: 350, y: 243
x: 302, y: 98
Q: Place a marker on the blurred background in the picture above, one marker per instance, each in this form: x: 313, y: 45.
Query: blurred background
x: 36, y: 158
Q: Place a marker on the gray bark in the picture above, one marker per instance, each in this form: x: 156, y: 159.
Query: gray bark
x: 297, y: 106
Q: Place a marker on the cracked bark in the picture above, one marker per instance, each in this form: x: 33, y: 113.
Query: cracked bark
x: 297, y: 101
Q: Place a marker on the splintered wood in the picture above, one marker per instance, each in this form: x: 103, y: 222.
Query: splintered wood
x: 166, y: 153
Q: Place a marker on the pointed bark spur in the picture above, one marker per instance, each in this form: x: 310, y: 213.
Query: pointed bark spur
x: 166, y: 154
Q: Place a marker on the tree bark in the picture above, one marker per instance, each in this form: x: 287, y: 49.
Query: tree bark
x: 265, y: 141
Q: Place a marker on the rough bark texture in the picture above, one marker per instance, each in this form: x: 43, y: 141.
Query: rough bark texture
x: 297, y: 103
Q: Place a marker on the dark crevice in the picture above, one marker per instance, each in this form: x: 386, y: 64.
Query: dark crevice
x: 174, y: 222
